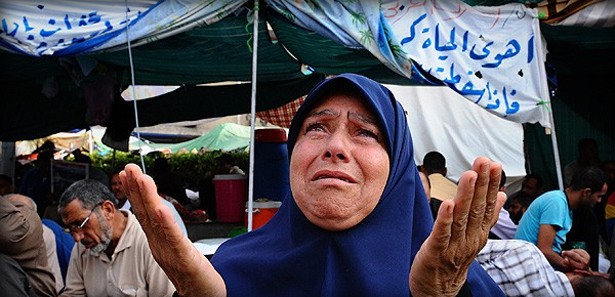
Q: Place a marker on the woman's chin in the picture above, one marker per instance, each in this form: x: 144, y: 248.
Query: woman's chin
x: 334, y: 223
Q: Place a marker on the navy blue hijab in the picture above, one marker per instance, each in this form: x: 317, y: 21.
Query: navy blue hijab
x: 290, y: 256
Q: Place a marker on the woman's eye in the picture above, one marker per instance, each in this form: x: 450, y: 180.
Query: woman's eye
x: 368, y: 133
x: 315, y: 127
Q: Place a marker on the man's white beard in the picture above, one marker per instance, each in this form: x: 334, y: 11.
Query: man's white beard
x: 99, y: 248
x: 107, y: 232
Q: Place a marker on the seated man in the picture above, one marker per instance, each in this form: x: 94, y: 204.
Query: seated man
x: 518, y: 205
x: 504, y: 228
x: 520, y: 269
x: 49, y: 238
x: 112, y: 257
x: 14, y: 281
x: 442, y: 188
x: 226, y: 165
x: 64, y: 245
x: 549, y: 218
x: 123, y: 203
x: 6, y: 184
x: 21, y: 238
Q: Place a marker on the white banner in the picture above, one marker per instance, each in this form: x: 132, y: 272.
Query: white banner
x: 493, y: 56
x: 441, y: 120
x: 70, y: 27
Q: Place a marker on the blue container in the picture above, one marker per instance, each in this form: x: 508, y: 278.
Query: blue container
x: 271, y: 178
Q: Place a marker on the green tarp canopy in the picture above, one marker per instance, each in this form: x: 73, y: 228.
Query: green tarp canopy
x: 221, y: 52
x: 580, y: 58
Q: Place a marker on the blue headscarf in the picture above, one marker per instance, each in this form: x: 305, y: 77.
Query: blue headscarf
x: 290, y: 256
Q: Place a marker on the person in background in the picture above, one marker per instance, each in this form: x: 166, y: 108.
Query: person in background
x: 64, y: 245
x: 549, y: 218
x: 504, y: 228
x: 123, y: 203
x: 588, y: 157
x: 6, y: 184
x: 585, y: 233
x: 118, y: 191
x: 518, y: 206
x: 36, y: 183
x: 111, y: 257
x: 170, y: 183
x: 14, y: 281
x: 442, y: 188
x: 609, y: 202
x: 531, y: 187
x: 48, y: 237
x: 355, y: 223
x: 95, y: 172
x: 520, y: 269
x: 226, y: 165
x: 51, y: 230
x: 21, y: 238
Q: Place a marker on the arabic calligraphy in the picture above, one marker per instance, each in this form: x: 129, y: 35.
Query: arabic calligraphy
x: 486, y: 54
x: 54, y: 31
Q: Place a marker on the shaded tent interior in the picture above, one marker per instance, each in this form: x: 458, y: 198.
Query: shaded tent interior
x: 581, y: 60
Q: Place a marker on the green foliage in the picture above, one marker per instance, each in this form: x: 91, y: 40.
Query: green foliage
x: 193, y: 167
x: 118, y: 159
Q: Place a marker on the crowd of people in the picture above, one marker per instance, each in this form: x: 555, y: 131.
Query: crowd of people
x: 361, y: 219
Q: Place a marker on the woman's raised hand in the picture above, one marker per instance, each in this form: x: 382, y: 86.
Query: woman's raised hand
x: 460, y: 231
x: 191, y: 273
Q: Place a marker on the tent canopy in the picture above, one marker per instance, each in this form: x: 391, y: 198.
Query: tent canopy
x: 221, y: 52
x: 580, y: 57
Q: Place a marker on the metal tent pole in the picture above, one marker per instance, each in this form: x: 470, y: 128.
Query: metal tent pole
x: 544, y: 90
x: 253, y: 115
x: 558, y: 164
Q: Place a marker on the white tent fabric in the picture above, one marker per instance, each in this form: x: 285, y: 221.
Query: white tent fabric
x: 460, y: 130
x: 494, y: 56
x: 599, y: 15
x: 68, y: 27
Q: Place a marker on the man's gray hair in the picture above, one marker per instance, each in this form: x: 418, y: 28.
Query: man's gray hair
x: 90, y: 192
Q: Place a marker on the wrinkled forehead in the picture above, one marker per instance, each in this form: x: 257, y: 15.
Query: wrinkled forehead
x: 332, y: 103
x: 371, y: 97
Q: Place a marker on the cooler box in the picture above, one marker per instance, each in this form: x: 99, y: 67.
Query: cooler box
x: 262, y: 212
x: 231, y: 196
x: 271, y: 164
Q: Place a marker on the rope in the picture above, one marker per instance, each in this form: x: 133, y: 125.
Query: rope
x: 545, y: 103
x: 253, y: 16
x: 134, y: 96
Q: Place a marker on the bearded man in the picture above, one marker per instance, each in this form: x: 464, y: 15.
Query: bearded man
x: 111, y: 257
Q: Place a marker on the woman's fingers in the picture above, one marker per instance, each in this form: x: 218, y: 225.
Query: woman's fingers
x: 440, y: 236
x: 476, y: 215
x: 476, y: 204
x: 142, y: 194
x: 460, y: 230
x: 491, y: 200
x: 463, y: 205
x: 501, y: 199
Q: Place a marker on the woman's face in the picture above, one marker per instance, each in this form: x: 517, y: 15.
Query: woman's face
x: 339, y: 165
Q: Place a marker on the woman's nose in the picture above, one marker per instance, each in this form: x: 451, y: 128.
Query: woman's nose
x: 337, y: 147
